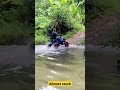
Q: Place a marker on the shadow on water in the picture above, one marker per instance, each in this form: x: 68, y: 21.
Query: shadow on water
x: 16, y: 77
x: 16, y: 67
x: 61, y: 64
x: 101, y: 71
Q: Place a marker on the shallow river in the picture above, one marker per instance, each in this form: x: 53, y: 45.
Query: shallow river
x: 60, y: 64
x: 17, y: 67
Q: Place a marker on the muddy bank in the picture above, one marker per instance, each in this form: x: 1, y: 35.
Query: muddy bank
x: 75, y: 39
x: 102, y: 29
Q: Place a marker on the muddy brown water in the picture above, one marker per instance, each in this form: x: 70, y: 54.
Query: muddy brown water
x: 101, y: 71
x: 62, y: 64
x: 16, y: 68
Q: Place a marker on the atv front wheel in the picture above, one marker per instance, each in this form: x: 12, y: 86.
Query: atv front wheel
x: 49, y: 45
x: 56, y: 45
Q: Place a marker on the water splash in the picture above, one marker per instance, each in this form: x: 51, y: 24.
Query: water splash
x: 49, y: 88
x: 44, y: 49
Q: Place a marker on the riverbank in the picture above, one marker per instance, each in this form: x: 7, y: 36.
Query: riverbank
x: 77, y: 38
x: 104, y: 30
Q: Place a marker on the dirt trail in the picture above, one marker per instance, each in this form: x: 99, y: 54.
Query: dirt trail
x: 101, y: 28
x: 98, y: 30
x: 76, y: 38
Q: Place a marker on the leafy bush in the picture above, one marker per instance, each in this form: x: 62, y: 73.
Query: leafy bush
x: 15, y: 33
x: 16, y: 21
x: 68, y: 14
x: 40, y: 38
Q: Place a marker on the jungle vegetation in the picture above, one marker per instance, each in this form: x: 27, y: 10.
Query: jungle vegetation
x: 66, y: 16
x: 16, y: 21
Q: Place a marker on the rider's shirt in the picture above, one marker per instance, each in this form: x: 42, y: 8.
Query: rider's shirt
x: 54, y: 35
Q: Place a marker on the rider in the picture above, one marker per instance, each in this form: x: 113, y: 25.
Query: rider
x: 53, y: 36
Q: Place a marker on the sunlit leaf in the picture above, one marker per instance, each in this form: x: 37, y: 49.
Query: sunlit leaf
x: 51, y: 2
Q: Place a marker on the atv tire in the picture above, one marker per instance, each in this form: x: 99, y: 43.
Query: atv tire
x: 66, y: 44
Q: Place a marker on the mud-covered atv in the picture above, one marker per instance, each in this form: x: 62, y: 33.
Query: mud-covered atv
x: 56, y: 43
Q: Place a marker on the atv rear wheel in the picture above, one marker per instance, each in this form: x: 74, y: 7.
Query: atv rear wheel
x: 66, y: 44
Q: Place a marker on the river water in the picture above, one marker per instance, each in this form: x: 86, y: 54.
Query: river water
x: 17, y: 67
x: 101, y: 68
x: 59, y: 64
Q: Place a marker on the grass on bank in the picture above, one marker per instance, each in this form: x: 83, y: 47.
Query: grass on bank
x: 41, y: 38
x: 81, y: 42
x: 16, y: 33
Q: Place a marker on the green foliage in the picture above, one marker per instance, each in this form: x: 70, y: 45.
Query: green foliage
x: 41, y: 22
x: 70, y: 15
x: 14, y: 33
x: 40, y: 38
x: 51, y: 2
x: 16, y: 21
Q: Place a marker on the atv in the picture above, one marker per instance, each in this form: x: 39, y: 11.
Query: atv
x: 56, y: 43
